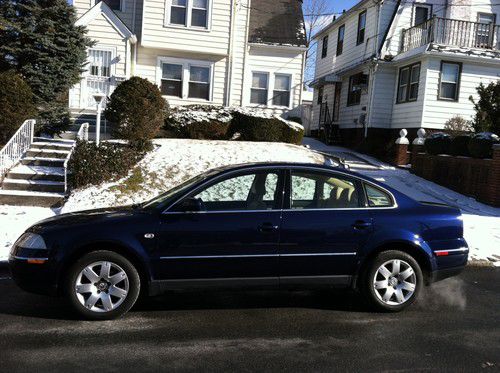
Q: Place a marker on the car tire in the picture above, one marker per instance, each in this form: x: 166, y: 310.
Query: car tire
x: 392, y: 281
x: 102, y: 285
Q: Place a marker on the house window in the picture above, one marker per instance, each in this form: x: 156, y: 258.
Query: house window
x: 449, y: 81
x: 282, y: 88
x: 113, y: 4
x: 190, y: 13
x: 361, y: 27
x: 171, y: 81
x: 324, y: 50
x: 340, y: 40
x: 199, y: 82
x: 408, y: 83
x: 186, y: 78
x: 320, y: 95
x: 422, y: 14
x: 259, y: 88
x: 356, y: 84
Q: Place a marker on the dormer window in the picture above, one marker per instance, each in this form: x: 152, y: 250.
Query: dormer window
x: 188, y: 13
x: 113, y: 4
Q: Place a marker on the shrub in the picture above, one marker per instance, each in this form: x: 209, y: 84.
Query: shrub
x: 487, y: 108
x: 438, y: 143
x: 457, y: 126
x: 295, y: 119
x: 481, y: 144
x: 53, y: 119
x: 93, y: 165
x: 137, y: 110
x: 207, y: 130
x: 16, y: 104
x: 272, y: 129
x: 459, y: 145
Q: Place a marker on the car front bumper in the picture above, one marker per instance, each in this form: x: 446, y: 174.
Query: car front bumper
x: 39, y: 278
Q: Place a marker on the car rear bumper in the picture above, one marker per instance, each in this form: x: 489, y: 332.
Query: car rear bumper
x: 441, y: 274
x: 34, y: 278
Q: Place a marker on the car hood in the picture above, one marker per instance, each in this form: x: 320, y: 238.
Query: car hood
x: 89, y: 216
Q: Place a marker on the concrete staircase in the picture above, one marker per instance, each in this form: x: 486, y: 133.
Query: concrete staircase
x: 38, y: 179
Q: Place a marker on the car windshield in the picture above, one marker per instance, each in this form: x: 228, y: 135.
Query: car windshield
x: 175, y: 191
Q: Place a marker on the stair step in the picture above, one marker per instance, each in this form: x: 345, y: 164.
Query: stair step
x: 47, y: 153
x: 34, y: 185
x: 42, y: 161
x: 25, y: 198
x: 52, y: 141
x: 55, y: 146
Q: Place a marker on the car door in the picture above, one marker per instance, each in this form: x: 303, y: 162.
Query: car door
x: 324, y: 225
x: 231, y: 234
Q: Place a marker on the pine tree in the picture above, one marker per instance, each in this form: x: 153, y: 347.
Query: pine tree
x: 39, y: 40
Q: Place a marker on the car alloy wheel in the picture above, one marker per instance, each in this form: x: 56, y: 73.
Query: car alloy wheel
x: 394, y: 282
x: 102, y: 286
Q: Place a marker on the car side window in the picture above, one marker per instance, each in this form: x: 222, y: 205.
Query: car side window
x: 377, y: 197
x: 313, y: 190
x: 255, y: 191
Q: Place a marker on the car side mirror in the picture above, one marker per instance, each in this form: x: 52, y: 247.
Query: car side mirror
x: 191, y: 205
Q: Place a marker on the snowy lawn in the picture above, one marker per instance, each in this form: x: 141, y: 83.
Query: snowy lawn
x: 175, y: 160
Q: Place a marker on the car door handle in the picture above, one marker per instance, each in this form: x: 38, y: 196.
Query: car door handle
x: 361, y: 224
x: 268, y: 227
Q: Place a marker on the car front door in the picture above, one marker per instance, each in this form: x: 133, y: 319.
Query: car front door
x: 324, y: 224
x: 226, y: 231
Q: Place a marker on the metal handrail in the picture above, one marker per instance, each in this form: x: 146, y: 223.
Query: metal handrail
x: 82, y: 135
x: 15, y: 148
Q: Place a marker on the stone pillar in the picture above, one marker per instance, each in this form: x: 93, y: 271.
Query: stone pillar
x: 401, y: 157
x: 493, y: 191
x: 417, y: 146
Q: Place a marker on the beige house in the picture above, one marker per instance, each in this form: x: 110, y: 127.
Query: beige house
x: 383, y: 66
x: 221, y: 52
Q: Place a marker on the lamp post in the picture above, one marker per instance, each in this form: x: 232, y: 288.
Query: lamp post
x: 99, y: 98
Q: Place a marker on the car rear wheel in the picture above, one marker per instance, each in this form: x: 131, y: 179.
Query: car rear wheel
x: 103, y: 285
x: 392, y: 281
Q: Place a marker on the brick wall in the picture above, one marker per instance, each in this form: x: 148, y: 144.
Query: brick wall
x: 478, y: 178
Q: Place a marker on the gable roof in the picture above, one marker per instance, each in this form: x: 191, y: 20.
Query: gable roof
x: 102, y: 8
x: 277, y: 22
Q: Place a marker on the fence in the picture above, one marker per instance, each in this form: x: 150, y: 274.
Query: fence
x: 17, y: 146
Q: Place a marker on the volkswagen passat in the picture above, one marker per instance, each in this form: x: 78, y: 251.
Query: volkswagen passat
x: 256, y: 225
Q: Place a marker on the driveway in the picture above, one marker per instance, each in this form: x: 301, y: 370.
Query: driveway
x: 454, y: 328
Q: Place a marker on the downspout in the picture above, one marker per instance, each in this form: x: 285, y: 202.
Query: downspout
x: 134, y: 54
x: 245, y: 50
x: 230, y: 54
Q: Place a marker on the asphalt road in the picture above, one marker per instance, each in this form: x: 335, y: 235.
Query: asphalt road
x: 454, y: 327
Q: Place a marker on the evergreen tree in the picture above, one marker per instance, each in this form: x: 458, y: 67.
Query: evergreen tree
x: 39, y: 40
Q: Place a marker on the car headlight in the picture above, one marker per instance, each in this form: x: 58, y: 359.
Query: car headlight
x: 31, y: 241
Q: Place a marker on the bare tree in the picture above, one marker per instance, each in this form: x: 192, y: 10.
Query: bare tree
x: 317, y: 14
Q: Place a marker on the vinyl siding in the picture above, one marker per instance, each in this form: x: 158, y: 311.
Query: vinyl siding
x: 349, y: 115
x: 383, y: 97
x: 155, y: 34
x: 278, y: 61
x: 437, y: 112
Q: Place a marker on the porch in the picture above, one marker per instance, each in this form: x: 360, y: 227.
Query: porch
x: 452, y: 32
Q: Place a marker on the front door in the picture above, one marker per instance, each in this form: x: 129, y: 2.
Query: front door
x: 99, y: 75
x: 231, y: 235
x: 323, y: 228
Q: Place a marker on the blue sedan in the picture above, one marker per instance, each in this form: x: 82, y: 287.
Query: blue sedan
x: 263, y: 225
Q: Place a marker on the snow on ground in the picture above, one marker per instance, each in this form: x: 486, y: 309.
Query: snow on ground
x: 175, y: 160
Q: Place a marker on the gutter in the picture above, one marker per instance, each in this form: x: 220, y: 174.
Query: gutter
x: 245, y: 51
x: 230, y: 55
x: 279, y: 46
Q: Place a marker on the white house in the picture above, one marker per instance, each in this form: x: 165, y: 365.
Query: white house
x: 391, y: 64
x: 221, y: 52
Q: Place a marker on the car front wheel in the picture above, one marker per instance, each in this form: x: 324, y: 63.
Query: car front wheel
x: 393, y: 281
x: 103, y: 285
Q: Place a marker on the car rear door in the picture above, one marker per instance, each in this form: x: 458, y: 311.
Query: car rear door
x: 324, y: 225
x: 233, y: 239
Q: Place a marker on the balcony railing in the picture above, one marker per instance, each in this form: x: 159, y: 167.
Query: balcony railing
x: 452, y: 32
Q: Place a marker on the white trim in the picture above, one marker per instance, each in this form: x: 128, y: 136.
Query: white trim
x: 189, y: 11
x: 186, y: 64
x: 122, y: 5
x: 105, y: 10
x: 278, y: 46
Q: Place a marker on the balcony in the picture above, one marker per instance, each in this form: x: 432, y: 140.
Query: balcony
x: 452, y: 32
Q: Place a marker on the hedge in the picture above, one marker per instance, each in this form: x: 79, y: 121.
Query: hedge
x: 438, y: 143
x: 459, y: 145
x: 481, y: 144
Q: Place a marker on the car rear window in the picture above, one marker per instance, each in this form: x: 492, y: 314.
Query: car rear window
x: 377, y: 197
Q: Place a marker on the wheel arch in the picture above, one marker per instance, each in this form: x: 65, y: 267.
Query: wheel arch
x: 410, y: 248
x: 116, y: 247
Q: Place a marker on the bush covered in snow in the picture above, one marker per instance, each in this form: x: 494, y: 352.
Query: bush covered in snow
x: 93, y: 165
x: 481, y: 144
x: 138, y: 110
x: 222, y: 123
x: 438, y: 143
x: 460, y: 145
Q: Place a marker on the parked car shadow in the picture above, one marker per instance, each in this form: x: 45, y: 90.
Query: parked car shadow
x: 16, y: 302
